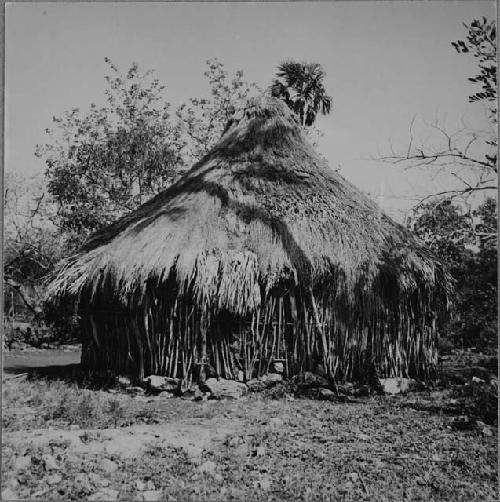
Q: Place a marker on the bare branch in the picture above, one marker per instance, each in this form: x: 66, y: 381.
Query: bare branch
x: 18, y: 287
x: 410, y: 144
x: 450, y: 194
x: 462, y: 180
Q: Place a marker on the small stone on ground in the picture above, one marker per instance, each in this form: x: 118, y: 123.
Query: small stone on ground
x: 106, y: 494
x: 152, y: 495
x: 50, y: 462
x: 23, y: 463
x: 396, y: 385
x: 208, y: 467
x: 54, y: 479
x: 108, y: 465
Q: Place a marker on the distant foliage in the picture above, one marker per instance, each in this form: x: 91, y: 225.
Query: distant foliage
x: 466, y: 241
x: 32, y: 243
x: 301, y: 87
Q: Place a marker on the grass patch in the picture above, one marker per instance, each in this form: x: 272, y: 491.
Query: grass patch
x: 56, y: 403
x: 372, y: 448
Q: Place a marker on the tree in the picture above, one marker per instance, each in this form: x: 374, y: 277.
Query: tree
x: 32, y: 244
x: 465, y: 238
x: 109, y: 160
x: 481, y: 41
x: 202, y: 120
x: 466, y: 242
x: 469, y: 156
x: 300, y: 86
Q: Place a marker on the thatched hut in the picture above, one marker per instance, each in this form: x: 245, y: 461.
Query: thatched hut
x: 259, y: 253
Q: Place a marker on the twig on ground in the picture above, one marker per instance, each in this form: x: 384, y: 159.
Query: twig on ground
x: 363, y: 484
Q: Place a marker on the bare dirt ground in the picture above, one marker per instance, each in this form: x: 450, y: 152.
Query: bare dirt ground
x: 61, y: 441
x: 20, y: 361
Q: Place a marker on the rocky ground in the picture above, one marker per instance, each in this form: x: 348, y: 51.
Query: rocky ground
x: 293, y: 441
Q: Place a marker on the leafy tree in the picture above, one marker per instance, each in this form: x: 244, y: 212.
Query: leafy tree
x: 466, y: 241
x: 300, y: 86
x: 106, y: 162
x: 32, y: 244
x: 481, y: 41
x: 202, y: 120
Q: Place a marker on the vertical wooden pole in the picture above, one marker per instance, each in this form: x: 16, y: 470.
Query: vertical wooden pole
x: 203, y: 347
x: 141, y: 349
x: 321, y: 332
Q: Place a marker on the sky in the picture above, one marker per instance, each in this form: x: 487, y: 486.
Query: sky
x: 386, y: 63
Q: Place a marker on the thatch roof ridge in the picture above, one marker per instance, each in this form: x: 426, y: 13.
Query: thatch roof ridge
x: 260, y: 208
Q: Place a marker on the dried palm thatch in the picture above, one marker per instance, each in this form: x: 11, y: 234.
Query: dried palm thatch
x: 259, y: 253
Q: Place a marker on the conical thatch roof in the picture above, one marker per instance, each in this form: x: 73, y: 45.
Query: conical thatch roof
x: 261, y: 212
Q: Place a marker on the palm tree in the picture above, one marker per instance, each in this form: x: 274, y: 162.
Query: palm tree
x: 300, y: 85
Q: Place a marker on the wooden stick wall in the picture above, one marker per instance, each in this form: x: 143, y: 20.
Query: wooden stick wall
x: 165, y: 338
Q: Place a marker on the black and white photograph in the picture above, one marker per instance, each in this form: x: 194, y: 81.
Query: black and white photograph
x: 250, y: 251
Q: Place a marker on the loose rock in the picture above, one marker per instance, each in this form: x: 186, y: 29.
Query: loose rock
x: 95, y: 478
x: 50, y: 462
x: 271, y: 378
x: 72, y: 458
x: 159, y: 383
x: 152, y: 495
x: 13, y: 483
x: 124, y: 381
x: 485, y: 430
x: 106, y: 494
x: 22, y: 463
x: 194, y: 454
x: 82, y: 480
x: 312, y: 379
x: 140, y: 485
x: 363, y: 437
x: 278, y: 368
x: 108, y: 465
x: 198, y: 394
x: 264, y: 382
x: 8, y: 494
x: 326, y: 394
x: 346, y: 388
x: 225, y: 388
x: 54, y: 479
x: 396, y: 385
x: 208, y: 467
x: 135, y: 390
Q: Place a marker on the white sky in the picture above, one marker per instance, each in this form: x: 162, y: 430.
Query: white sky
x: 385, y: 62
